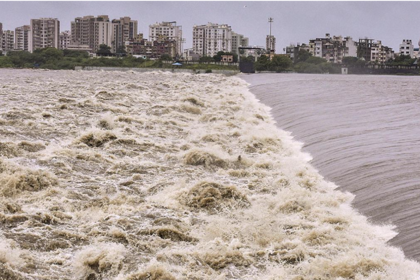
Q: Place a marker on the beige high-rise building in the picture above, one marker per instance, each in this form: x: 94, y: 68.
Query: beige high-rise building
x: 8, y: 40
x: 238, y: 40
x: 22, y: 38
x: 212, y: 38
x: 123, y: 30
x: 44, y: 33
x: 167, y: 31
x: 91, y: 31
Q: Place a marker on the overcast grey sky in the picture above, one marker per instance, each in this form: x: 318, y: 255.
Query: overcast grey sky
x: 294, y: 22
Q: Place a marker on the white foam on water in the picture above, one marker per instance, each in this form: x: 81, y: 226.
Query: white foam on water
x: 169, y: 176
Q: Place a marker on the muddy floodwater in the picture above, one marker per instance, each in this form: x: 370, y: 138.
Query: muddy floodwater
x: 126, y: 175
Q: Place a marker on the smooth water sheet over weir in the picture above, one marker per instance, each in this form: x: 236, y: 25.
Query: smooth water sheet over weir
x: 120, y: 175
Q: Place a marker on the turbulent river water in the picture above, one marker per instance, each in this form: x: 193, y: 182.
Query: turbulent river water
x: 163, y: 176
x: 363, y: 133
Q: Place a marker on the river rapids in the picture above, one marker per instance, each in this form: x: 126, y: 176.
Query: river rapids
x: 163, y: 176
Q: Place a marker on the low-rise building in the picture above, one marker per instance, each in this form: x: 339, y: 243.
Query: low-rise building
x: 226, y: 58
x: 369, y: 50
x: 415, y: 53
x: 151, y: 49
x: 190, y: 55
x: 65, y: 39
x: 406, y: 48
x: 334, y: 48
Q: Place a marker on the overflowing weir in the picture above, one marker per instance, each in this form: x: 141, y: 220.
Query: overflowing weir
x: 126, y: 175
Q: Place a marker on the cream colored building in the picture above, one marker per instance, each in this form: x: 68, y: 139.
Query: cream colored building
x: 44, y: 32
x: 22, y: 38
x: 167, y: 31
x: 212, y: 38
x: 91, y: 31
x: 123, y: 30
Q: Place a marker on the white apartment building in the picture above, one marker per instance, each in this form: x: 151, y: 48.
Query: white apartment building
x: 238, y: 40
x: 167, y: 31
x: 8, y: 40
x: 65, y: 38
x: 123, y: 30
x: 22, y: 38
x: 270, y: 43
x: 212, y: 38
x: 91, y: 31
x: 44, y: 32
x: 350, y: 47
x: 406, y: 48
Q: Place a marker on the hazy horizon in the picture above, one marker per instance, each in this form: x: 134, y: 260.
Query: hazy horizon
x: 294, y: 22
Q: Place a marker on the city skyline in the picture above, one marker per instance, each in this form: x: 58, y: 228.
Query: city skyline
x: 294, y: 22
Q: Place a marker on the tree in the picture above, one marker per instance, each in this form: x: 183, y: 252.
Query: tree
x: 302, y: 56
x: 280, y: 63
x: 165, y: 57
x: 104, y: 50
x: 315, y: 60
x: 121, y: 50
x: 205, y: 59
x: 350, y: 60
x: 262, y: 63
x: 218, y: 56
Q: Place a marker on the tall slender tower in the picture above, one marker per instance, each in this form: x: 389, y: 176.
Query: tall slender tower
x: 270, y: 20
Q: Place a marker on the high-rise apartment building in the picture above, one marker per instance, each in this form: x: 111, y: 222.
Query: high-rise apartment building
x: 1, y: 34
x: 167, y: 31
x: 91, y: 31
x: 8, y: 40
x: 65, y: 39
x: 270, y: 43
x: 238, y: 40
x: 406, y: 48
x: 212, y: 38
x: 44, y: 32
x: 123, y: 30
x: 22, y: 38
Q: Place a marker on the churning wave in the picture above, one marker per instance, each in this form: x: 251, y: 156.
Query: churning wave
x: 124, y: 175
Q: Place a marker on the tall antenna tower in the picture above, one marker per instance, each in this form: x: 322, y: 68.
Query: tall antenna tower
x: 270, y: 20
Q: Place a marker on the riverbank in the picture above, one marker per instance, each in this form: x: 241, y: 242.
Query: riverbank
x: 128, y: 175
